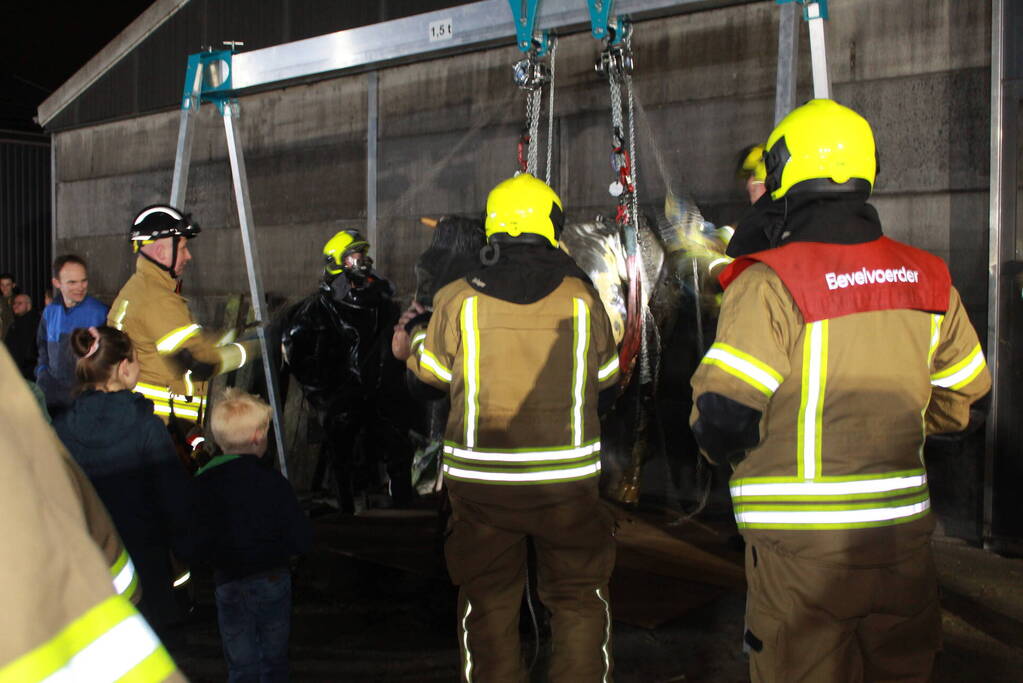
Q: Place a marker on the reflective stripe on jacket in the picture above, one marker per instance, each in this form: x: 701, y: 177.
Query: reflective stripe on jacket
x: 176, y: 354
x: 66, y: 615
x: 846, y: 403
x: 523, y: 380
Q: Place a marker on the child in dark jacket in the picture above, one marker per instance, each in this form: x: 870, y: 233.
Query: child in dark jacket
x: 129, y: 457
x: 249, y: 526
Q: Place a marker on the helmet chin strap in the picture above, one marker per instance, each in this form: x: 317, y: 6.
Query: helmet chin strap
x: 174, y: 258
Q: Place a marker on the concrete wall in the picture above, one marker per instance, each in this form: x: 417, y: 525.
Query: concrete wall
x: 917, y: 69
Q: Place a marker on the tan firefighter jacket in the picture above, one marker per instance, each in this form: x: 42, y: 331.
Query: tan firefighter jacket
x: 177, y: 355
x: 523, y: 381
x: 67, y: 579
x: 846, y: 402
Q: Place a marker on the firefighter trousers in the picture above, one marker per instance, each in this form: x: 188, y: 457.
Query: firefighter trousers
x: 486, y: 556
x: 811, y: 621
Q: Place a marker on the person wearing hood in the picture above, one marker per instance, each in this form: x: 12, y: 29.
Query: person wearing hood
x: 336, y: 344
x: 72, y: 307
x: 837, y: 351
x: 525, y: 349
x: 127, y: 453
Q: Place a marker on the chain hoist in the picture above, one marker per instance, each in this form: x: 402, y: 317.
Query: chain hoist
x: 532, y: 73
x: 615, y: 63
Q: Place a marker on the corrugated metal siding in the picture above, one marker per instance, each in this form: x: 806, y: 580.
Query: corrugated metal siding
x: 25, y: 214
x: 152, y: 77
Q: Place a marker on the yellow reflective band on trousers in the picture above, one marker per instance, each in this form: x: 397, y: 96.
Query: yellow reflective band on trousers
x: 110, y: 642
x: 123, y: 572
x: 471, y: 367
x: 166, y: 402
x: 466, y: 652
x: 741, y: 365
x: 522, y: 466
x: 580, y: 347
x: 605, y: 648
x: 960, y: 374
x: 172, y: 341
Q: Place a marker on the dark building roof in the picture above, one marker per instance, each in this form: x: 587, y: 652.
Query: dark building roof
x: 142, y: 70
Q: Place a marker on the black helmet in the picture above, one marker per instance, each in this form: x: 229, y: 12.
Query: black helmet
x: 159, y: 221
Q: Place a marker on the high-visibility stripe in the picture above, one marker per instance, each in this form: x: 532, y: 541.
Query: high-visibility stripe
x: 604, y: 649
x: 523, y: 477
x: 754, y: 372
x: 430, y: 362
x: 580, y: 346
x: 718, y: 262
x: 465, y: 641
x: 110, y: 642
x: 417, y: 339
x: 232, y: 357
x: 163, y: 399
x: 811, y: 403
x: 117, y: 318
x: 962, y: 373
x: 189, y: 387
x: 936, y: 319
x: 182, y: 580
x: 125, y: 579
x: 750, y: 488
x: 179, y: 411
x: 810, y: 517
x: 608, y: 370
x: 471, y: 368
x: 172, y: 341
x: 524, y: 455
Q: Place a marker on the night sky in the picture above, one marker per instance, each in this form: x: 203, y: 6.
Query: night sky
x: 42, y: 44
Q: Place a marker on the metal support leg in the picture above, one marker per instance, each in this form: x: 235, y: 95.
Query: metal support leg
x: 241, y: 192
x: 183, y: 154
x: 788, y: 51
x: 372, y: 119
x: 818, y: 53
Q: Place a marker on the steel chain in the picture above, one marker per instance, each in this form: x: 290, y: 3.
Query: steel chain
x: 550, y: 109
x: 533, y: 98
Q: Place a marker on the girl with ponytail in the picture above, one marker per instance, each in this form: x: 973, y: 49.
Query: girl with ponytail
x: 106, y: 359
x: 128, y: 455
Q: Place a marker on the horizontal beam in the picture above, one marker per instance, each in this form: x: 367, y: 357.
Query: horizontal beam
x: 456, y: 29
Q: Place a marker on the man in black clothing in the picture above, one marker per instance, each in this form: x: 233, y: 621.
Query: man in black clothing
x: 337, y: 345
x: 21, y: 336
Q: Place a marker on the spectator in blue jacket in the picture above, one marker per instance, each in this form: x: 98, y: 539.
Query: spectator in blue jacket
x: 72, y: 307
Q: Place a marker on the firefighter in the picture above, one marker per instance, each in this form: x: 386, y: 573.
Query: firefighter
x: 177, y: 355
x: 837, y: 351
x: 524, y: 348
x: 337, y: 345
x: 69, y: 584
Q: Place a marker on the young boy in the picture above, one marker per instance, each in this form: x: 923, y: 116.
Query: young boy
x: 249, y: 525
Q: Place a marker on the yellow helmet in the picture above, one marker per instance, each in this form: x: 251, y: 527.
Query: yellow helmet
x: 524, y: 205
x: 338, y: 246
x: 824, y: 145
x: 751, y: 163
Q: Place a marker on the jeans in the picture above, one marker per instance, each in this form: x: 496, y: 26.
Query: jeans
x: 254, y: 615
